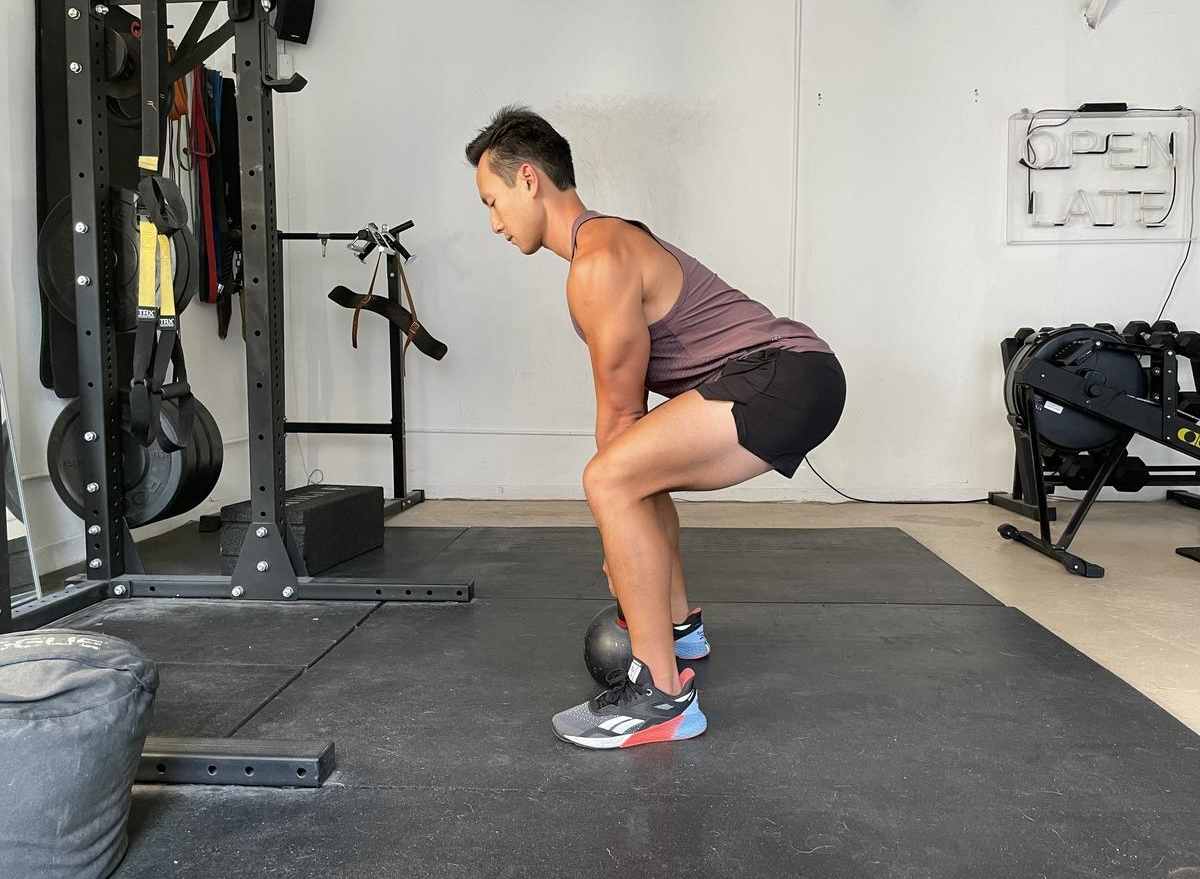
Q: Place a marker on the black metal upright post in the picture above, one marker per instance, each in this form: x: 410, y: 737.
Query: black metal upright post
x: 268, y: 562
x: 5, y: 576
x: 100, y: 410
x: 153, y: 41
x: 396, y: 351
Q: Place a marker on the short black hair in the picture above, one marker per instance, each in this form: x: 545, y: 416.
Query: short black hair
x: 517, y: 135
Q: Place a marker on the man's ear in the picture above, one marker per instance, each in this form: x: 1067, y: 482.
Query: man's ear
x: 529, y: 177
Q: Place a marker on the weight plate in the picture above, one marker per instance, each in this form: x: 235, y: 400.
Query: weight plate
x: 209, y: 455
x: 56, y: 261
x: 197, y: 454
x: 123, y: 66
x: 151, y: 476
x: 194, y: 451
x: 126, y: 112
x: 216, y: 459
x: 1074, y: 429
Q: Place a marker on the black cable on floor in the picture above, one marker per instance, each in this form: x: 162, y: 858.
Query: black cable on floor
x: 865, y: 501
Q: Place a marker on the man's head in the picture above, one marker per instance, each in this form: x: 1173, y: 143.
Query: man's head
x: 521, y: 163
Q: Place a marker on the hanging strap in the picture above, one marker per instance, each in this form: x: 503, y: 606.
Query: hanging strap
x: 169, y: 351
x: 143, y: 402
x: 359, y: 307
x: 157, y: 343
x: 415, y: 327
x: 406, y: 319
x: 204, y: 210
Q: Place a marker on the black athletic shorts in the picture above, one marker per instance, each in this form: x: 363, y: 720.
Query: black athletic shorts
x: 785, y: 403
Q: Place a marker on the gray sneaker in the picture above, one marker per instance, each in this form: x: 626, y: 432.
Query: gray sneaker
x: 633, y: 712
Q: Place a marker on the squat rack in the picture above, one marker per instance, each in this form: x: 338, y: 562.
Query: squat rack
x: 267, y: 565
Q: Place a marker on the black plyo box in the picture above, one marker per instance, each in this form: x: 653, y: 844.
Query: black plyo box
x: 330, y: 523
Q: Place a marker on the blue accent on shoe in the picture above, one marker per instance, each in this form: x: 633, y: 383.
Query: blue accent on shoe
x: 694, y: 722
x: 693, y: 645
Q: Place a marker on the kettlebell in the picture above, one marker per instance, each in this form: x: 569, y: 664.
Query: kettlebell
x: 606, y: 644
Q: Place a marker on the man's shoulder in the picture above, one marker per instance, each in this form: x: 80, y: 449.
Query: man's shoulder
x: 606, y: 235
x: 601, y: 277
x: 602, y: 262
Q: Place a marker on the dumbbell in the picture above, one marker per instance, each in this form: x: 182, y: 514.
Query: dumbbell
x: 1136, y: 332
x: 1131, y: 474
x: 1024, y: 333
x: 1187, y: 343
x: 1078, y: 471
x: 1052, y: 460
x: 1163, y: 333
x: 1108, y: 327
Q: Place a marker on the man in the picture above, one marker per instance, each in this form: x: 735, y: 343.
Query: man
x: 749, y: 392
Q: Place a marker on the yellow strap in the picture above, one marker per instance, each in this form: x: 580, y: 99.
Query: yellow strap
x: 148, y: 163
x: 146, y: 266
x: 166, y: 278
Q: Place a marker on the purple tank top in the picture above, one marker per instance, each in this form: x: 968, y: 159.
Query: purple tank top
x: 710, y: 324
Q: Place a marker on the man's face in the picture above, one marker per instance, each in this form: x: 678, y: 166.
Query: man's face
x: 514, y: 209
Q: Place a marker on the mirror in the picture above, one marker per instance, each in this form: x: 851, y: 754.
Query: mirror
x: 16, y: 555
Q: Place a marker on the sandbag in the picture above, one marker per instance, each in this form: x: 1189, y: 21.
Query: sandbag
x: 75, y: 708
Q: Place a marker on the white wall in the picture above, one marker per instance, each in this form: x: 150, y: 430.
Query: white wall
x: 847, y: 168
x: 903, y: 261
x: 680, y: 114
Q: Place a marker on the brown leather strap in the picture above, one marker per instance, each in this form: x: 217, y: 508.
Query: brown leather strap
x: 395, y: 313
x: 363, y: 301
x: 415, y: 326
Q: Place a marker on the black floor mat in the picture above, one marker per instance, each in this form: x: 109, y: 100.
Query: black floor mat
x: 219, y: 661
x: 224, y: 632
x: 872, y: 714
x: 212, y: 700
x: 658, y: 831
x: 957, y: 705
x: 845, y: 565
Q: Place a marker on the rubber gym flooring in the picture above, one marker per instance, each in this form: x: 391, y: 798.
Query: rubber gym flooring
x: 872, y: 713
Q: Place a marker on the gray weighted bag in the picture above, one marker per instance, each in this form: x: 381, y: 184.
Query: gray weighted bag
x: 75, y: 708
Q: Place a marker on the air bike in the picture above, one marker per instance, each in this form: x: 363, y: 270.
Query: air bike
x: 1086, y: 392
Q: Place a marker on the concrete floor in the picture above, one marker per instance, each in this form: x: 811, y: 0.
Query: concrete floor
x: 1141, y: 621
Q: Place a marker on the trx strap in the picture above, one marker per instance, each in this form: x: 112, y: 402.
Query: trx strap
x: 161, y: 213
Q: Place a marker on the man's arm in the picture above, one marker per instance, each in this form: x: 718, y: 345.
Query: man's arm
x: 605, y: 297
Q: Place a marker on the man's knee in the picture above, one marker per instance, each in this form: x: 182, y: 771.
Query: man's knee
x: 605, y: 477
x: 598, y: 478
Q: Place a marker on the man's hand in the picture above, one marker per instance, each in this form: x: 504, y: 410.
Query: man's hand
x: 605, y: 297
